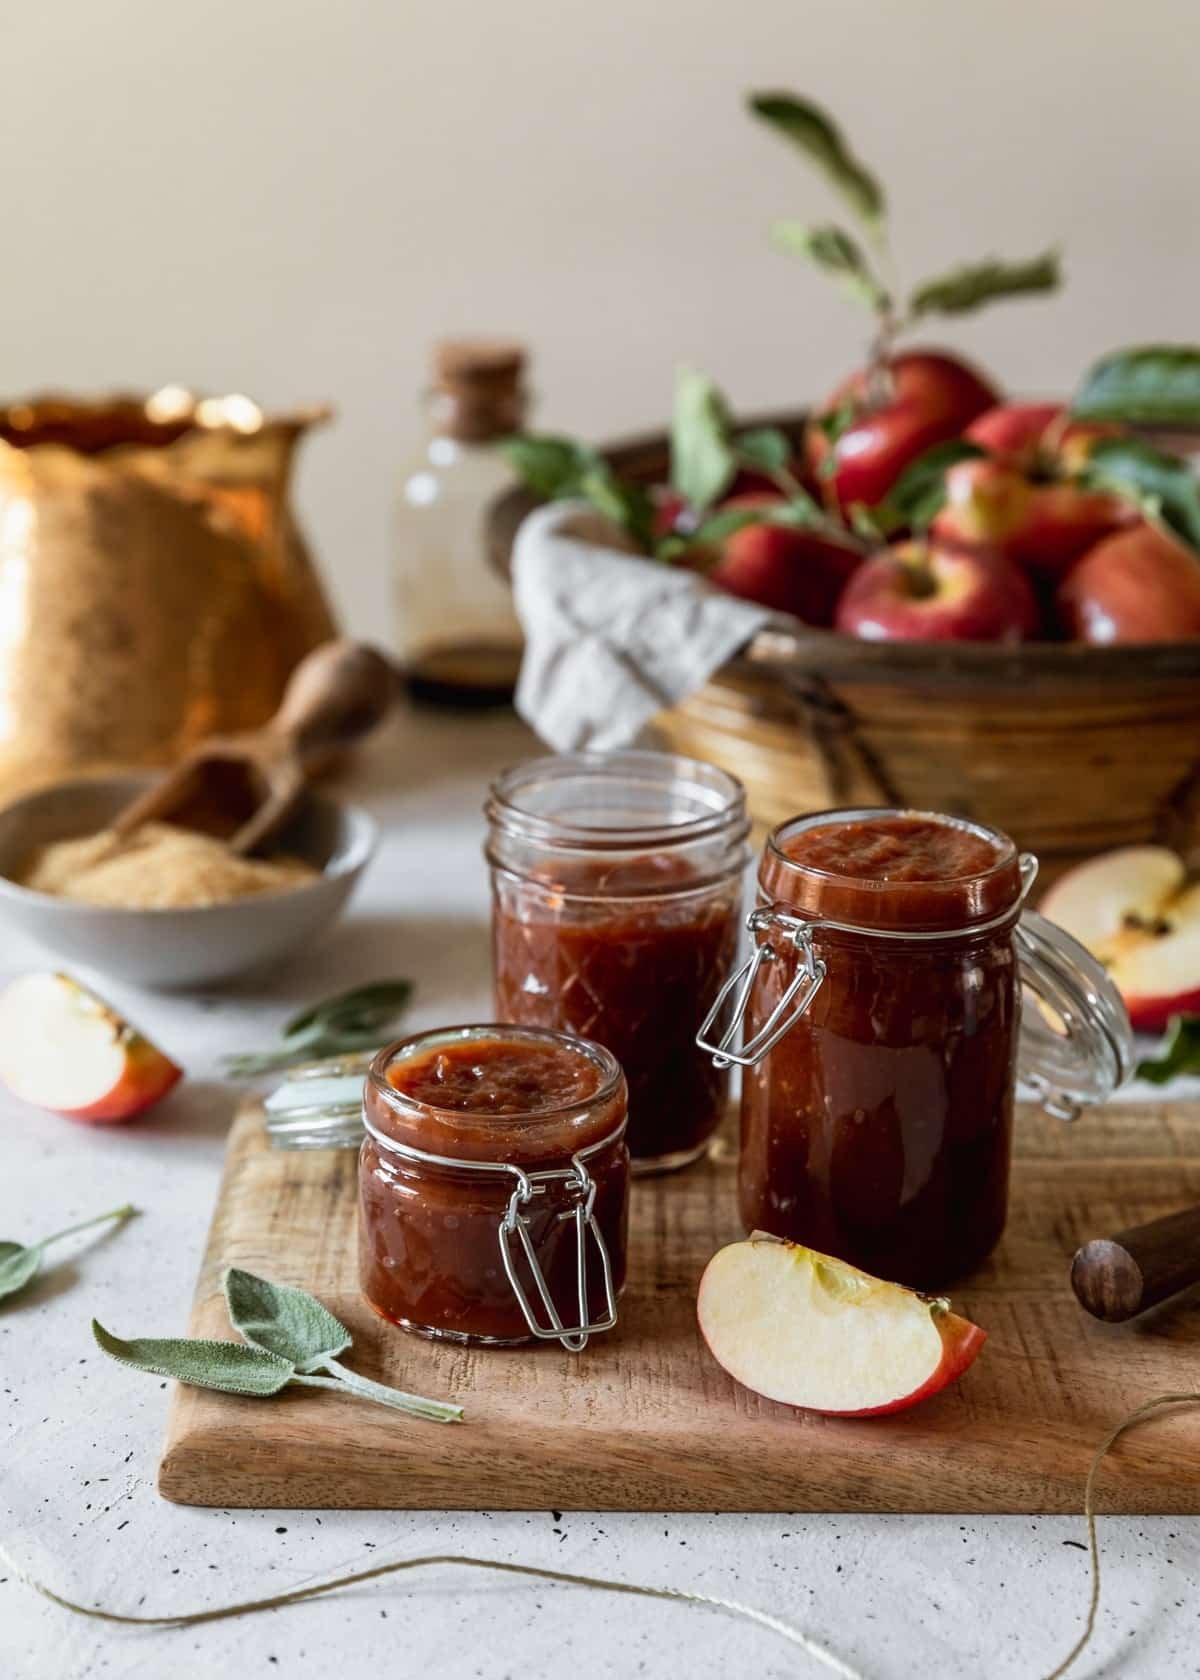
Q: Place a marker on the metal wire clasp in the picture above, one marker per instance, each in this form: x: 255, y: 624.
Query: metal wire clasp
x: 514, y: 1230
x: 798, y: 995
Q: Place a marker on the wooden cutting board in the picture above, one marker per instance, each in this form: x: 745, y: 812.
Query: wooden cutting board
x: 645, y: 1420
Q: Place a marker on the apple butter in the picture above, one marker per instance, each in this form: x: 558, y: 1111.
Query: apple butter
x: 617, y: 891
x: 494, y: 1154
x: 878, y: 1128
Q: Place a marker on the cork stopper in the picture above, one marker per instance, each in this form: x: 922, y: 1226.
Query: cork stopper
x: 477, y: 388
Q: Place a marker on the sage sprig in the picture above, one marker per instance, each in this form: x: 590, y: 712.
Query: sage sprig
x: 289, y: 1338
x: 1178, y: 1054
x: 20, y: 1262
x: 354, y: 1020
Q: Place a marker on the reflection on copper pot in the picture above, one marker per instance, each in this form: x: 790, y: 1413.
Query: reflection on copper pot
x: 154, y: 586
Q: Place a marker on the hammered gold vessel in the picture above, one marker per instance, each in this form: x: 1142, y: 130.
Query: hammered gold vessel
x: 154, y: 586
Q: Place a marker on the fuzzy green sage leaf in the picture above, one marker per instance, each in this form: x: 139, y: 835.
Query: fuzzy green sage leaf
x: 816, y: 134
x: 288, y: 1335
x: 354, y: 1020
x: 231, y: 1367
x: 286, y: 1321
x: 1178, y: 1054
x: 20, y: 1263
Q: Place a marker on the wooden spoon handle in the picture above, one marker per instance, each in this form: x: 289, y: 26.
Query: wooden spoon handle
x: 1118, y: 1277
x: 336, y: 694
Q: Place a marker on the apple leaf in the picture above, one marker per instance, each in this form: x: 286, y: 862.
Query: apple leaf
x: 919, y: 494
x: 627, y: 505
x: 1163, y: 486
x: 550, y: 465
x: 836, y: 253
x: 1150, y: 385
x: 805, y: 125
x: 765, y: 449
x: 1178, y: 1054
x: 703, y: 462
x: 800, y: 513
x: 974, y: 284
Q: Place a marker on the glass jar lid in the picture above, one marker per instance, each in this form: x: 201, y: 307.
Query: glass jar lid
x: 1076, y: 1042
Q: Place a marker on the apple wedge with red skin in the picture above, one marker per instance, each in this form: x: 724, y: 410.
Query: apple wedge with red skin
x: 926, y: 592
x: 1135, y: 911
x: 811, y: 1331
x: 62, y: 1048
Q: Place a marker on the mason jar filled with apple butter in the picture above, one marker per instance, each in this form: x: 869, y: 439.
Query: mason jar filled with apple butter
x: 896, y: 987
x: 616, y: 909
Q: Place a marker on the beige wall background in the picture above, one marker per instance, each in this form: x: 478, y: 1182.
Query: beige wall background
x: 292, y: 199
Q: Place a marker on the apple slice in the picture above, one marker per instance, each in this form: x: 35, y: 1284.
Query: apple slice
x: 1134, y: 912
x: 64, y: 1049
x: 811, y: 1331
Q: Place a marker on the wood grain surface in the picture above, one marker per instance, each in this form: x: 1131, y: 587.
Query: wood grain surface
x: 645, y: 1420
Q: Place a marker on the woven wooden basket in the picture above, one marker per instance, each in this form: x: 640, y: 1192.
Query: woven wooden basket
x: 1069, y: 749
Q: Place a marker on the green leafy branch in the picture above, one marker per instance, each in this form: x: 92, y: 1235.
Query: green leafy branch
x: 1178, y: 1054
x: 837, y: 253
x: 289, y: 1338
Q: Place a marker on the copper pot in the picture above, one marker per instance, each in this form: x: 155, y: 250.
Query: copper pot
x: 154, y: 586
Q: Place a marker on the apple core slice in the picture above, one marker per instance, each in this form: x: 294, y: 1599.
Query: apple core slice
x: 811, y: 1331
x: 63, y: 1048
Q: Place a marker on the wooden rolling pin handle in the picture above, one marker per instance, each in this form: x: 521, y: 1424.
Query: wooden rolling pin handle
x: 336, y: 694
x: 1117, y: 1277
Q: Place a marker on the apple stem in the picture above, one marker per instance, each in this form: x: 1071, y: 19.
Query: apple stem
x: 122, y: 1213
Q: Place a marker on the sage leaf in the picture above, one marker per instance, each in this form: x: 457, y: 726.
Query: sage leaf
x: 1178, y: 1054
x: 816, y: 134
x: 231, y: 1367
x: 834, y: 252
x: 19, y: 1263
x: 1163, y: 486
x: 703, y: 463
x: 974, y: 284
x: 1150, y: 385
x: 285, y: 1321
x: 361, y: 1019
x: 18, y: 1268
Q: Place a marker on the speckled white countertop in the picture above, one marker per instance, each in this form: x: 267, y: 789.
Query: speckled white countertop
x: 897, y: 1596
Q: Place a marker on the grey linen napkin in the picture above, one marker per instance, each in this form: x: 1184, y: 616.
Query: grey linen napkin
x: 611, y: 638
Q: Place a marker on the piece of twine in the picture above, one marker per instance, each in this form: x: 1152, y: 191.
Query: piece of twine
x: 599, y: 1583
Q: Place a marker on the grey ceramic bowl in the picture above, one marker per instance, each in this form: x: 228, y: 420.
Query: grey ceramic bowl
x: 173, y: 948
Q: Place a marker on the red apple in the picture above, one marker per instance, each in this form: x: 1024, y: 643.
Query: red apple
x: 785, y: 568
x: 1134, y: 911
x: 1021, y: 501
x: 63, y: 1049
x: 923, y: 592
x: 811, y: 1331
x: 1138, y: 586
x: 929, y: 397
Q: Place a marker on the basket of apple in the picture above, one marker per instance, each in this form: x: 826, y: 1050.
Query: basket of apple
x: 980, y: 603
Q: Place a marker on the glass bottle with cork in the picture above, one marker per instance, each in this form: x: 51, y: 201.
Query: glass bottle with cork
x: 459, y: 639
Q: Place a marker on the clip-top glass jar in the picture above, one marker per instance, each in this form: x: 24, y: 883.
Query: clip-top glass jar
x: 881, y: 1003
x: 494, y: 1186
x: 616, y: 900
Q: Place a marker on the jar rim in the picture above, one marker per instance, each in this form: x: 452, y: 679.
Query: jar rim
x: 906, y: 902
x: 526, y: 1121
x: 719, y: 797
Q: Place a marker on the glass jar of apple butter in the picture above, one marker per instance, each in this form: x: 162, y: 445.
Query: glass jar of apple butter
x: 616, y: 904
x: 494, y: 1186
x: 881, y: 1005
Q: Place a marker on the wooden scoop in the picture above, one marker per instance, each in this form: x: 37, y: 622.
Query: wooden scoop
x: 246, y: 786
x: 1116, y: 1278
